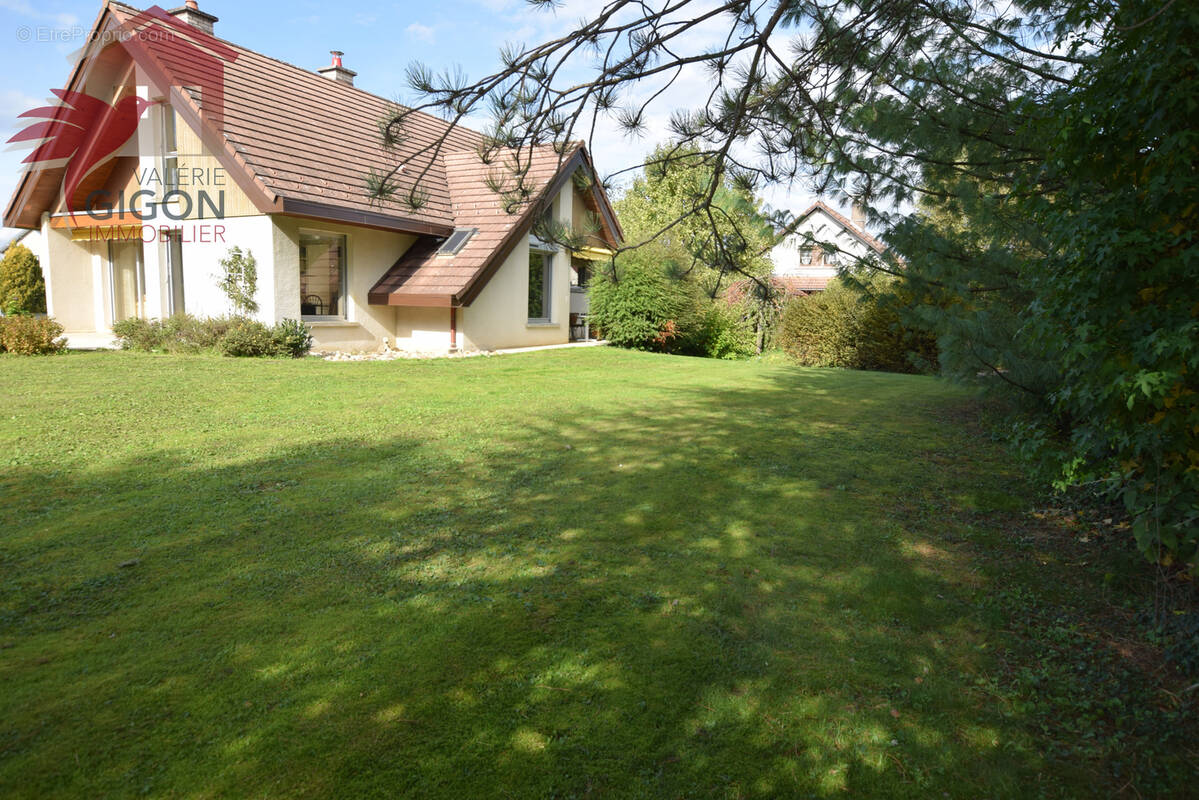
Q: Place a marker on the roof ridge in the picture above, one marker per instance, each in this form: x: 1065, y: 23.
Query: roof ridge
x: 847, y: 223
x: 314, y: 74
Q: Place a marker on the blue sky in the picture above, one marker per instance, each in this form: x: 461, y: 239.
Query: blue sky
x: 380, y: 39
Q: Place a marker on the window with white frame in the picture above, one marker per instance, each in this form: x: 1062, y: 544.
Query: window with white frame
x: 541, y: 264
x: 805, y: 256
x: 322, y: 275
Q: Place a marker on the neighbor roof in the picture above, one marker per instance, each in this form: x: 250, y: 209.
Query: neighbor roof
x: 845, y: 223
x: 301, y: 144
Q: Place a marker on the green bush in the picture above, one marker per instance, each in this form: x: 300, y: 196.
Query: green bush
x: 291, y: 338
x: 187, y: 334
x: 640, y: 306
x: 722, y: 331
x: 139, y: 334
x: 844, y: 326
x: 25, y: 335
x: 201, y: 334
x: 22, y: 287
x: 248, y: 339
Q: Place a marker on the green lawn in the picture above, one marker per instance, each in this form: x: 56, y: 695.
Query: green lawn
x: 584, y: 573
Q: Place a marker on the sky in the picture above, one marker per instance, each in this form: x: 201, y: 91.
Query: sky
x: 380, y: 39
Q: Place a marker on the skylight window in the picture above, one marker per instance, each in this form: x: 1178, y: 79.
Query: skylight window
x: 457, y: 241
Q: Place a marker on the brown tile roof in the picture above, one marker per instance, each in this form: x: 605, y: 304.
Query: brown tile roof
x: 788, y: 286
x: 791, y: 284
x: 456, y: 279
x: 312, y: 140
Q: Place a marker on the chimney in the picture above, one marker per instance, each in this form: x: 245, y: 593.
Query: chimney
x: 336, y: 71
x: 192, y: 15
x: 859, y: 216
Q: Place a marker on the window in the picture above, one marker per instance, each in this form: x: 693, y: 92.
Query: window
x: 322, y: 275
x: 540, y: 263
x: 175, y: 271
x: 832, y: 258
x: 805, y: 255
x: 127, y: 279
x: 170, y: 159
x: 580, y: 274
x: 456, y: 242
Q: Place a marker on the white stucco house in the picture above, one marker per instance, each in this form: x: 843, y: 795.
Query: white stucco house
x: 193, y: 145
x: 823, y: 240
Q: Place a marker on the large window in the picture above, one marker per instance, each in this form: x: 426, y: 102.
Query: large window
x: 127, y: 279
x: 322, y: 275
x: 540, y: 263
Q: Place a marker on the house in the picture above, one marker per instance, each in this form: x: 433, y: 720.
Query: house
x: 193, y: 145
x: 31, y: 239
x: 822, y: 241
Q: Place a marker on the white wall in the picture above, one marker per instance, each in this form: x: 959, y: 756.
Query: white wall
x: 71, y: 292
x: 202, y: 270
x: 822, y: 228
x: 425, y: 330
x: 369, y: 254
x: 499, y: 316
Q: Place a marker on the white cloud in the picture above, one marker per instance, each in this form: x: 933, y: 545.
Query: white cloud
x: 421, y: 32
x: 26, y: 9
x: 14, y: 103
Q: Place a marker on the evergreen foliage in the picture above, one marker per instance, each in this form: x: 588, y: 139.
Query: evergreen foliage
x: 22, y: 286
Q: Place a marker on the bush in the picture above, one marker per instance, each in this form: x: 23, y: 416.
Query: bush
x: 139, y: 334
x: 721, y: 331
x: 30, y: 336
x: 640, y: 307
x: 22, y: 286
x: 201, y: 334
x: 248, y: 339
x: 844, y: 326
x: 291, y: 338
x: 231, y: 336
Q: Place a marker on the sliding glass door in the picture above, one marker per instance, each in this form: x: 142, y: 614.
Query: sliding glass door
x: 128, y: 280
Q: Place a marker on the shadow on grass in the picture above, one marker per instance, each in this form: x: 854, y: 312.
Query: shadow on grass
x: 726, y: 594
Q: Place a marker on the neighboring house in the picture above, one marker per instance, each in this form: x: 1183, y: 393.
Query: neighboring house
x: 232, y: 148
x: 802, y: 265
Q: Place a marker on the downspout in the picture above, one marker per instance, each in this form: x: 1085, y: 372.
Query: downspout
x: 453, y: 328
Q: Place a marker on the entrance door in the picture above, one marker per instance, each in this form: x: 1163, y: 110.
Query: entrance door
x: 128, y: 280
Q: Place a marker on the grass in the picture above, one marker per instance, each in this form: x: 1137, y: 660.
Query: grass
x: 565, y: 574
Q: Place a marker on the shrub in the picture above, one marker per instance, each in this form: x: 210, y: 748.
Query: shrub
x: 721, y: 331
x: 22, y: 286
x: 202, y: 334
x: 181, y: 333
x: 844, y: 326
x: 139, y: 334
x: 292, y: 338
x: 248, y: 338
x: 30, y: 336
x: 640, y: 306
